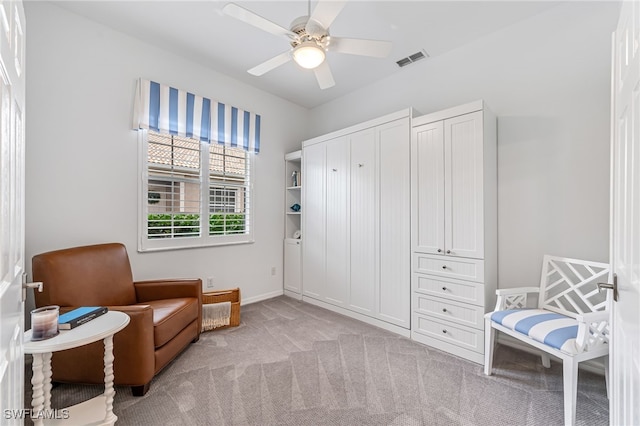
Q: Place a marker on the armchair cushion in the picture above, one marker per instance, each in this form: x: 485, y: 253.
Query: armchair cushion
x: 552, y: 329
x: 170, y: 316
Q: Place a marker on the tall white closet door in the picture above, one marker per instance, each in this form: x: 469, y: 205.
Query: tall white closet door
x: 362, y: 289
x: 394, y: 224
x: 337, y: 221
x: 464, y: 186
x: 314, y: 220
x: 428, y: 188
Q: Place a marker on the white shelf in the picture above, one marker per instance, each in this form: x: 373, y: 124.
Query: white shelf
x: 92, y: 412
x: 294, y: 187
x: 294, y: 213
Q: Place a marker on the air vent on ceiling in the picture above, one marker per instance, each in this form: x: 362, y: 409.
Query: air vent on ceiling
x: 412, y: 58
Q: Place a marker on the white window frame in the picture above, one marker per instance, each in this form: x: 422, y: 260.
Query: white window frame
x: 204, y: 240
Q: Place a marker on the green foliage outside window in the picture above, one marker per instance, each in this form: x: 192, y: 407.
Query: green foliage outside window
x: 161, y: 225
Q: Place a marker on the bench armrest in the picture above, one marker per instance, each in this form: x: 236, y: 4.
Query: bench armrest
x: 593, y: 317
x: 593, y: 330
x: 518, y: 290
x: 513, y: 298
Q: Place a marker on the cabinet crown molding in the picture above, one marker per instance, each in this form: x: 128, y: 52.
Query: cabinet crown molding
x: 474, y: 106
x: 407, y: 112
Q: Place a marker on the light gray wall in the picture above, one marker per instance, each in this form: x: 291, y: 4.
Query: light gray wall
x: 548, y: 80
x: 82, y: 156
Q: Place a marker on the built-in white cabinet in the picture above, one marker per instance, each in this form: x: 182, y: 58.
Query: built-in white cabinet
x: 356, y: 221
x: 292, y: 225
x: 454, y: 227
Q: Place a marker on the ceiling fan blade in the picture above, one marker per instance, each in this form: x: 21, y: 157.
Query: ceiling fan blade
x: 324, y: 76
x: 357, y: 46
x: 326, y: 11
x: 272, y: 63
x: 247, y: 16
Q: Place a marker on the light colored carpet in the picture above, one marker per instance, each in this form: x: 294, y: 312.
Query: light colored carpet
x: 291, y: 363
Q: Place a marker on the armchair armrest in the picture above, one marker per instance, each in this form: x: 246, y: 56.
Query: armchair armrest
x: 133, y: 349
x: 168, y: 289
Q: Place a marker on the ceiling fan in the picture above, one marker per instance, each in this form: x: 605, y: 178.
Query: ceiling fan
x: 309, y: 39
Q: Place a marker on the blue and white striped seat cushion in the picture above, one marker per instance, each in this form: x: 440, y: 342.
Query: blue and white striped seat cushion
x: 555, y: 330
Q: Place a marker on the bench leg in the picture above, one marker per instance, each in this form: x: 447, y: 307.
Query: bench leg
x: 489, y: 344
x: 546, y: 360
x: 570, y: 380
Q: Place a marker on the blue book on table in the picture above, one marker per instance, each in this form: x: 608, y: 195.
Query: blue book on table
x: 80, y: 316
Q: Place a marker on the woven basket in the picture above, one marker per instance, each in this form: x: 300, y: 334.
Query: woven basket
x: 233, y: 296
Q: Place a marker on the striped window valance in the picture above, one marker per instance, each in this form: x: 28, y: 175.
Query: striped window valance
x: 172, y: 111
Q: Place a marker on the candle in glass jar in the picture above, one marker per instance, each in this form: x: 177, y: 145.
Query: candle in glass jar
x: 44, y: 322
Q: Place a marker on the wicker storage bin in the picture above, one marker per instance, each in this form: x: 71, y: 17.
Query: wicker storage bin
x: 233, y: 296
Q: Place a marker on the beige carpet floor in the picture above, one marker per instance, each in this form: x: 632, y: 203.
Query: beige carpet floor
x: 291, y: 363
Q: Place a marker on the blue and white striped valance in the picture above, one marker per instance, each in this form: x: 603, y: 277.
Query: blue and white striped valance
x: 168, y: 110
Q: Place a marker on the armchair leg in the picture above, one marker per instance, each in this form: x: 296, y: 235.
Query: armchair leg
x: 140, y: 390
x: 570, y: 388
x: 489, y: 344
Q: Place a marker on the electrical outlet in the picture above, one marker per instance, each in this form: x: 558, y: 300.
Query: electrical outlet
x: 209, y: 282
x: 273, y: 271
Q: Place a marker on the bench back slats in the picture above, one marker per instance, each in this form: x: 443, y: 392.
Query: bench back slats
x: 570, y: 286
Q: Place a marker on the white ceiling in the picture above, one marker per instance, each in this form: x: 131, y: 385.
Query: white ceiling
x: 198, y: 30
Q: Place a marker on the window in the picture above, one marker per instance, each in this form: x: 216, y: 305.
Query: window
x: 193, y: 193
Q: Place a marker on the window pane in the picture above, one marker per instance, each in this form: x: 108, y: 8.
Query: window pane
x: 174, y: 204
x: 173, y: 196
x: 228, y: 190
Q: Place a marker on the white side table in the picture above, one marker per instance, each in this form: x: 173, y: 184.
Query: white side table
x: 96, y: 411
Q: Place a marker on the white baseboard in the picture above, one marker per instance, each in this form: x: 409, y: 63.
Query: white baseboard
x: 293, y: 294
x: 594, y: 366
x: 261, y: 297
x: 405, y: 332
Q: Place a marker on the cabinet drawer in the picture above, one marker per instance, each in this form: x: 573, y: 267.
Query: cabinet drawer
x: 461, y: 291
x: 446, y: 266
x: 449, y: 311
x: 459, y: 335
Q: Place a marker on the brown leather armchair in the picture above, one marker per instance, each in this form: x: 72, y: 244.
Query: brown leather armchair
x: 166, y: 315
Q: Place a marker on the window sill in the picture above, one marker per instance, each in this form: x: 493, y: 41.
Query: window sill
x: 159, y: 245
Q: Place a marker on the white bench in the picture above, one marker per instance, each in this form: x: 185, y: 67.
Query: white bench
x: 571, y: 320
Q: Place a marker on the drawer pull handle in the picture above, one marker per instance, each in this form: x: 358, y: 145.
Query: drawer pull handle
x: 444, y: 266
x: 444, y: 309
x: 444, y: 289
x: 439, y: 250
x: 444, y: 331
x: 360, y: 165
x: 335, y: 170
x: 448, y: 251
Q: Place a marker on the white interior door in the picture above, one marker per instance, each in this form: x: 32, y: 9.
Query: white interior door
x: 625, y: 236
x: 337, y: 222
x: 362, y: 223
x: 463, y: 190
x: 394, y: 266
x: 12, y: 27
x: 427, y: 175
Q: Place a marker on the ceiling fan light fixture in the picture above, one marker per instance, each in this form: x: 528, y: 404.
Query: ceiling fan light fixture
x: 308, y: 55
